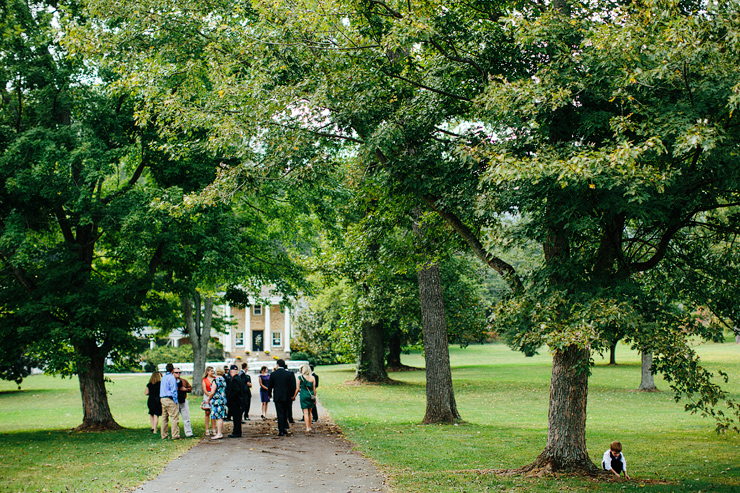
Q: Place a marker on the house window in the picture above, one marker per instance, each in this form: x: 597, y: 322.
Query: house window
x: 277, y: 338
x: 239, y: 339
x: 258, y: 309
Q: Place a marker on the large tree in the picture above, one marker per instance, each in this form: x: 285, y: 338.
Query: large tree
x: 77, y: 238
x: 607, y: 129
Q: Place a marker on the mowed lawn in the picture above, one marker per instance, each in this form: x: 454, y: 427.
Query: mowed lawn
x: 501, y: 395
x: 503, y: 399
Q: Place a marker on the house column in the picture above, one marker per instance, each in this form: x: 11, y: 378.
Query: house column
x: 287, y: 331
x: 268, y: 331
x: 229, y: 336
x: 248, y: 328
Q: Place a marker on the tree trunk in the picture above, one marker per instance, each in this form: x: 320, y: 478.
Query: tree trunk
x: 371, y: 360
x: 612, y: 353
x: 441, y: 405
x: 90, y: 370
x: 647, y: 382
x: 198, y: 324
x: 394, y: 352
x: 566, y: 430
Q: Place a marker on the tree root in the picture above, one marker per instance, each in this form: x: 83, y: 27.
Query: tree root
x: 399, y: 368
x: 110, y: 425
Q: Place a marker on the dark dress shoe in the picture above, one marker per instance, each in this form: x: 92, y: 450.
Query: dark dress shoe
x: 233, y: 436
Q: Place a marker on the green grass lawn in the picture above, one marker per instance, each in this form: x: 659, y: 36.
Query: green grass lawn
x: 502, y: 397
x: 37, y: 452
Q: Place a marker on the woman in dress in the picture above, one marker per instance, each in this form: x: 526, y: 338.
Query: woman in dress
x: 307, y: 389
x: 218, y: 403
x: 264, y: 391
x: 155, y: 407
x: 208, y: 377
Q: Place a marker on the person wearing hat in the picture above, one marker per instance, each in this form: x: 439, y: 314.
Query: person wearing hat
x: 234, y: 396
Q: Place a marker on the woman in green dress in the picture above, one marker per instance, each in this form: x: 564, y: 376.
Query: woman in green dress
x: 307, y: 389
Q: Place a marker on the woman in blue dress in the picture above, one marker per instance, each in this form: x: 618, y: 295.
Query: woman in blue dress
x: 307, y: 390
x: 218, y: 403
x: 264, y: 391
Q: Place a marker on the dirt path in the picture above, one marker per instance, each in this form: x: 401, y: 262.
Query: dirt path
x: 262, y: 462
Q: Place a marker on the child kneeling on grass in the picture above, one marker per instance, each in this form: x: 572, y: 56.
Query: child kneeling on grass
x: 614, y: 460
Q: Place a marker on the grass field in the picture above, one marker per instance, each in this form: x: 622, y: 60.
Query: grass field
x: 501, y: 396
x: 37, y: 453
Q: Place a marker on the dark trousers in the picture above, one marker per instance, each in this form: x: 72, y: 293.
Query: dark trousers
x: 246, y: 404
x: 282, y: 408
x: 236, y: 415
x: 315, y: 412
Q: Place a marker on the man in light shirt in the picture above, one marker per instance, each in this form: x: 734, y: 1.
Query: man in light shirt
x: 168, y: 398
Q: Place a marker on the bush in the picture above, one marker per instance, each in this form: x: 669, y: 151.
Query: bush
x: 300, y: 355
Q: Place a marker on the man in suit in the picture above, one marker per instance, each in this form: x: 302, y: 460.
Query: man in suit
x: 247, y: 400
x: 234, y: 395
x: 282, y: 384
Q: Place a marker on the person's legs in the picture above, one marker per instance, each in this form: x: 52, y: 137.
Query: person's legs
x: 165, y: 419
x: 307, y: 419
x: 207, y: 421
x: 282, y: 417
x: 237, y: 417
x: 219, y: 428
x: 184, y: 409
x: 315, y: 412
x: 174, y: 412
x: 247, y: 405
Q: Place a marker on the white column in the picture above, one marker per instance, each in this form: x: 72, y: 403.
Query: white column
x: 268, y: 332
x: 152, y: 343
x: 248, y: 328
x: 229, y: 336
x: 286, y: 336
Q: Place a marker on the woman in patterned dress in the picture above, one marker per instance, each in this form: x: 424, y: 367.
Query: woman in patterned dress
x: 218, y: 403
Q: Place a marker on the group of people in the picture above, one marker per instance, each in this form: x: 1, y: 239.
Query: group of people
x: 168, y: 398
x: 227, y: 396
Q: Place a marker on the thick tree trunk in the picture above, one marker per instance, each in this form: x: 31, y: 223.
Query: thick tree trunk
x: 371, y: 360
x: 647, y: 382
x: 441, y: 405
x: 198, y: 324
x: 394, y: 352
x: 613, y: 353
x: 566, y: 431
x: 90, y: 370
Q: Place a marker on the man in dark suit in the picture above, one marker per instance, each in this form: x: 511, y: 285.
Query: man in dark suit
x: 234, y: 396
x: 283, y: 387
x: 247, y: 399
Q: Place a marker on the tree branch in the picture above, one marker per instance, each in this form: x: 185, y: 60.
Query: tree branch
x: 422, y: 86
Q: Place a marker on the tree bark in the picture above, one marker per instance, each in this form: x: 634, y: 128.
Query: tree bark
x: 441, y: 405
x: 371, y: 360
x: 198, y: 324
x: 566, y: 431
x: 612, y: 353
x: 394, y: 352
x: 647, y: 382
x: 90, y: 371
